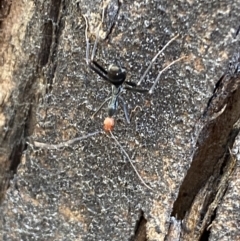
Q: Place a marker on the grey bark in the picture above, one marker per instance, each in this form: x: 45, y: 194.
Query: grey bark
x: 183, y: 139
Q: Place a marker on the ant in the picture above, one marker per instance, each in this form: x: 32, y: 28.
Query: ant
x: 116, y: 76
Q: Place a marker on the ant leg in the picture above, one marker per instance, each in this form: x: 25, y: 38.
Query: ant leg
x: 133, y: 89
x: 95, y: 43
x: 100, y: 107
x: 130, y: 161
x: 125, y: 109
x: 97, y: 36
x: 87, y: 41
x: 155, y: 57
x: 160, y: 73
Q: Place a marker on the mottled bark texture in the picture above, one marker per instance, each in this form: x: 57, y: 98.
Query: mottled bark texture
x: 183, y: 139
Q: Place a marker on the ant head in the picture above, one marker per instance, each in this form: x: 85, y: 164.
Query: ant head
x: 116, y: 74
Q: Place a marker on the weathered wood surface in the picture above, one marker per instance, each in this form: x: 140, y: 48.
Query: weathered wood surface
x: 183, y: 139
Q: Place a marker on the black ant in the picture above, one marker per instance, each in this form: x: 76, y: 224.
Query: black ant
x: 116, y: 76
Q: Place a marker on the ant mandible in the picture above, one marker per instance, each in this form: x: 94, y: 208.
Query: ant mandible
x: 116, y: 76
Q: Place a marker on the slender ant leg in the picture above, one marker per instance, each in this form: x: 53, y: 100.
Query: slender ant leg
x: 154, y: 59
x: 125, y: 109
x: 100, y: 107
x: 160, y: 73
x: 89, y: 61
x: 115, y: 75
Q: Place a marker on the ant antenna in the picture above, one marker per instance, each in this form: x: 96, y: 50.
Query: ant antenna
x: 64, y: 143
x: 134, y: 168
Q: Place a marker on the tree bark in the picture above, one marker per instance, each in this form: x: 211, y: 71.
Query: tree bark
x: 63, y: 178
